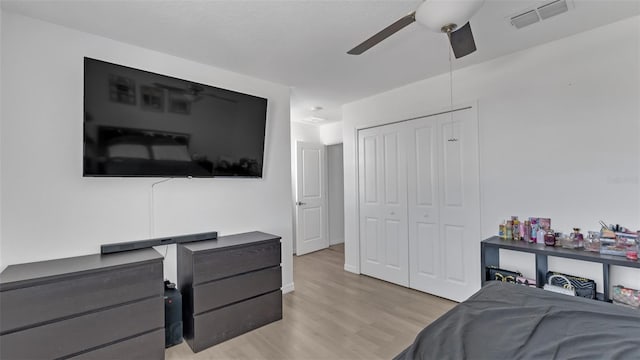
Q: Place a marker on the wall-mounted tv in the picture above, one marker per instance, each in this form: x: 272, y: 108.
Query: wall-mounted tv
x: 139, y: 123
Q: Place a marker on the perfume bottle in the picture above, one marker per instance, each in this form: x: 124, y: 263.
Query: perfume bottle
x: 577, y: 239
x: 534, y: 229
x: 526, y: 231
x: 516, y: 228
x: 550, y: 238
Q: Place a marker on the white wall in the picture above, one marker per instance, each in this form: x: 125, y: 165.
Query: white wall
x: 50, y: 211
x: 559, y: 129
x: 1, y: 117
x: 331, y: 133
x: 304, y: 132
x: 335, y: 182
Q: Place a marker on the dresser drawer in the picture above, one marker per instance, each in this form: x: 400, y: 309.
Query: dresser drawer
x: 225, y: 323
x: 226, y: 291
x: 76, y: 294
x: 148, y: 346
x: 74, y: 335
x: 215, y: 265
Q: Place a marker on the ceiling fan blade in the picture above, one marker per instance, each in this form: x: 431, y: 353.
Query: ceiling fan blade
x: 462, y: 41
x: 383, y: 34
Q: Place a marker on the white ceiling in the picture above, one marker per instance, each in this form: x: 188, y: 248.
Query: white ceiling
x: 303, y: 43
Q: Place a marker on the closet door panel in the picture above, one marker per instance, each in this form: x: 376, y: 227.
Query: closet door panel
x: 452, y: 165
x: 369, y: 169
x: 383, y: 203
x: 460, y: 204
x: 393, y: 242
x: 424, y: 217
x: 454, y: 249
x: 371, y: 229
x: 391, y: 156
x: 426, y: 259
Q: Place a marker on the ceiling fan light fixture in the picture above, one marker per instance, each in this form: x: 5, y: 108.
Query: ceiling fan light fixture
x: 437, y: 14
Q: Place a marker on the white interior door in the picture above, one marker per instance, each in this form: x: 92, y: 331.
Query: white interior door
x: 424, y: 206
x: 445, y: 216
x: 459, y: 204
x: 311, y: 203
x: 383, y: 204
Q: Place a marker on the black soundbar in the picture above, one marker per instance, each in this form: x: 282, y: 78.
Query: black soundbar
x: 141, y: 244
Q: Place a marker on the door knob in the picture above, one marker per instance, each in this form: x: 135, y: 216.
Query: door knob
x: 299, y: 203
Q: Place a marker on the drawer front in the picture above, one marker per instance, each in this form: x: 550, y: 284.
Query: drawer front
x: 34, y: 305
x: 226, y: 291
x: 74, y: 335
x: 225, y: 323
x: 220, y: 264
x: 144, y: 347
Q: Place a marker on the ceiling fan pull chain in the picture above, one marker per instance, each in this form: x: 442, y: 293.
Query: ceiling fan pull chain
x: 452, y: 137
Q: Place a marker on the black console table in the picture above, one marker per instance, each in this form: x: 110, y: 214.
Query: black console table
x: 490, y: 256
x: 230, y: 285
x: 84, y: 307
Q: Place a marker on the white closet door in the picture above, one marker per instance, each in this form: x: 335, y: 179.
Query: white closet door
x: 447, y: 248
x: 384, y: 247
x: 425, y: 261
x: 460, y: 204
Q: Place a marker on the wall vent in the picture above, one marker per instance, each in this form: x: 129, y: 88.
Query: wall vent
x: 543, y: 12
x: 552, y: 9
x: 526, y: 19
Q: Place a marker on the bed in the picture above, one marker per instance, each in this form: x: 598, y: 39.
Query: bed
x: 506, y: 321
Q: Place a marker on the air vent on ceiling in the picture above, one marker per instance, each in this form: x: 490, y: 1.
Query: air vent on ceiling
x: 552, y: 9
x: 525, y: 19
x: 543, y: 12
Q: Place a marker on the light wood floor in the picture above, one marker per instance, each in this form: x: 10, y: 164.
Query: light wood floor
x: 332, y: 314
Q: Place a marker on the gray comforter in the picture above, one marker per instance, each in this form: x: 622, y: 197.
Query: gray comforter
x: 505, y: 321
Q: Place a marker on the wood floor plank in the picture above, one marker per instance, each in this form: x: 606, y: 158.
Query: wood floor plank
x: 332, y: 314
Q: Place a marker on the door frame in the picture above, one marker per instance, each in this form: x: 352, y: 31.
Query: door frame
x: 325, y: 220
x: 356, y: 246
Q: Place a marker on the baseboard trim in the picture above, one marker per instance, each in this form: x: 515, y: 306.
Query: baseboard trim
x: 288, y: 288
x: 351, y: 268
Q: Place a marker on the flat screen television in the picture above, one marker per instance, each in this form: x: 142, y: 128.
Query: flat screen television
x: 139, y: 123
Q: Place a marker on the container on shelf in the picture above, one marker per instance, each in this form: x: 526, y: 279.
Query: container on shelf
x: 550, y: 238
x: 592, y: 242
x: 577, y: 238
x: 526, y: 233
x: 516, y: 228
x: 508, y: 230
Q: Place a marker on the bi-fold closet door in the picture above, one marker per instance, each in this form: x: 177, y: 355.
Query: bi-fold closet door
x: 419, y: 203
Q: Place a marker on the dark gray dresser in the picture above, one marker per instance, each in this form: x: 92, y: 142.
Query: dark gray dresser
x: 86, y: 307
x: 229, y: 286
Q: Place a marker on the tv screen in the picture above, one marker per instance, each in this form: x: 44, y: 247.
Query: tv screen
x: 138, y: 123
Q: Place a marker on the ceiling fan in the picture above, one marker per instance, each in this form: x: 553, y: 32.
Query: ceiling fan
x: 447, y: 16
x: 193, y: 92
